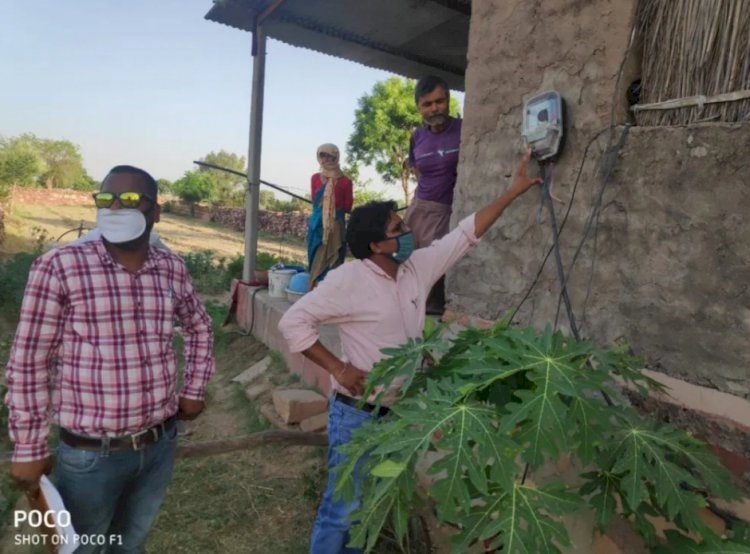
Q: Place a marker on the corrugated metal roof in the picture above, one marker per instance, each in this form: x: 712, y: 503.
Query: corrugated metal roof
x: 407, y: 37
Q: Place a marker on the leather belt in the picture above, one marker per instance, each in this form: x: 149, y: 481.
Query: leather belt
x: 354, y: 402
x: 136, y: 441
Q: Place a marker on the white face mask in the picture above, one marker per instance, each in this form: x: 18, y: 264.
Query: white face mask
x: 123, y: 225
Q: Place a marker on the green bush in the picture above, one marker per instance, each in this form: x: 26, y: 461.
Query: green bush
x: 264, y: 261
x: 210, y: 275
x: 213, y: 275
x: 14, y: 272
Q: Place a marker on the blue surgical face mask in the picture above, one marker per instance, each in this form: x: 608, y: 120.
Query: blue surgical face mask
x: 405, y: 246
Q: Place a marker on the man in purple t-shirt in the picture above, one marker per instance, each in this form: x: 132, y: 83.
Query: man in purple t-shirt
x: 433, y: 155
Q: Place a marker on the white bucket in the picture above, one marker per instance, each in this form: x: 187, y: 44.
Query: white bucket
x: 278, y: 281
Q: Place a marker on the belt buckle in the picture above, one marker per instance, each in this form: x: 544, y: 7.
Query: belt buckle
x: 134, y: 438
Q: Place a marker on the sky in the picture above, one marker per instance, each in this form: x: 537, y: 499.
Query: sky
x: 153, y: 84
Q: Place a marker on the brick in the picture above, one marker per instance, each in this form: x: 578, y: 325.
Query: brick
x: 294, y: 405
x: 268, y: 411
x: 315, y: 423
x: 253, y: 372
x: 255, y: 391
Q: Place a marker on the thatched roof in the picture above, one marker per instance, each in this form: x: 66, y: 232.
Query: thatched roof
x: 699, y: 49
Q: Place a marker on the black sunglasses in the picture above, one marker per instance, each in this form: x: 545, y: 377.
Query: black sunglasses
x: 127, y: 199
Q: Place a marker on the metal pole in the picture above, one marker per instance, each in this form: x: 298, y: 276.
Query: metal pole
x: 252, y: 196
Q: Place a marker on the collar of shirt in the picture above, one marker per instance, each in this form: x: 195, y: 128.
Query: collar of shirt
x: 155, y: 257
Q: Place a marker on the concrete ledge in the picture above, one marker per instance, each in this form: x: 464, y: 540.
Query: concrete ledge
x: 259, y: 313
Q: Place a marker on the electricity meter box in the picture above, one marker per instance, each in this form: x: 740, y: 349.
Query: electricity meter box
x: 543, y: 125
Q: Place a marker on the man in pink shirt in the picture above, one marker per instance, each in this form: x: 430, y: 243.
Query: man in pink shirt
x: 377, y: 301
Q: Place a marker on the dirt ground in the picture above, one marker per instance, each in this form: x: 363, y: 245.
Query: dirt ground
x: 182, y: 234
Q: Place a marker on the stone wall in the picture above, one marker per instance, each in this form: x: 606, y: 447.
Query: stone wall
x: 292, y: 224
x: 672, y: 259
x: 51, y: 197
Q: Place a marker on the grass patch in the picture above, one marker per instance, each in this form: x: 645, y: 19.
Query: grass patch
x: 231, y: 504
x: 253, y: 420
x: 279, y: 373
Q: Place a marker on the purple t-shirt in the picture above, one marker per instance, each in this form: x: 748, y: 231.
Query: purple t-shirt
x: 435, y: 155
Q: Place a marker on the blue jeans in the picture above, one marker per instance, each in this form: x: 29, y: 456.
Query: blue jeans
x: 115, y: 495
x: 331, y: 531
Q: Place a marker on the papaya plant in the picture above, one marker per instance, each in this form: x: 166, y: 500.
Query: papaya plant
x: 496, y: 406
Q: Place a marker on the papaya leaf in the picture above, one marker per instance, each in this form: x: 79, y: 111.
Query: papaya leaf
x: 677, y: 542
x: 519, y: 521
x: 604, y: 490
x: 500, y: 396
x: 648, y: 454
x: 387, y: 468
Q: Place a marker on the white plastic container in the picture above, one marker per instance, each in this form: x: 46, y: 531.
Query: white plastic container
x: 278, y: 281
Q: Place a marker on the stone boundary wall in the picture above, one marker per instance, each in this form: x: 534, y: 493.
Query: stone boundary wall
x: 51, y: 197
x: 278, y: 223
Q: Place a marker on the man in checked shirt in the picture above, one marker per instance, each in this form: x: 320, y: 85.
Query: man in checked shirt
x: 93, y: 348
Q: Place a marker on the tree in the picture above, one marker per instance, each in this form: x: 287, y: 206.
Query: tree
x: 63, y: 161
x: 165, y: 186
x: 194, y: 187
x: 267, y: 200
x: 20, y: 164
x: 85, y: 183
x: 363, y: 195
x: 383, y: 124
x: 228, y: 185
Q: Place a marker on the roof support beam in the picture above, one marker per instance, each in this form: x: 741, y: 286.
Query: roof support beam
x: 265, y: 14
x: 460, y: 6
x: 252, y: 195
x: 314, y: 26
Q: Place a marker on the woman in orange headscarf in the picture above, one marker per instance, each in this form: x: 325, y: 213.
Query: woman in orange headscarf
x: 331, y: 193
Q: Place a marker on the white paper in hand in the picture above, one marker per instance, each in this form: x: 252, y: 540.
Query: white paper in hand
x: 55, y: 504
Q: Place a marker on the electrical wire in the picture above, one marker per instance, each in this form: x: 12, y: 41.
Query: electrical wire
x: 562, y: 226
x: 610, y: 128
x: 262, y: 182
x: 548, y: 171
x: 605, y: 172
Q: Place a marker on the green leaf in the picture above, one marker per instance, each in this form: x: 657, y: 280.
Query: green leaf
x: 650, y: 456
x: 588, y: 421
x: 519, y: 521
x: 387, y: 468
x: 501, y: 395
x: 677, y: 542
x: 605, y: 486
x: 541, y: 417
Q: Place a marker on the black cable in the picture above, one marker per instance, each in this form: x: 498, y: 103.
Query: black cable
x: 252, y: 316
x: 547, y: 199
x: 262, y: 182
x: 562, y: 226
x: 605, y: 172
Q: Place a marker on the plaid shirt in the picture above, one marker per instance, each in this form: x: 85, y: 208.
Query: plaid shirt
x: 94, y: 344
